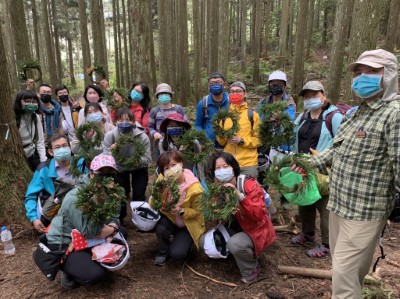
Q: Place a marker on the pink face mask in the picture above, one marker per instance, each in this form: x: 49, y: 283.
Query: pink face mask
x: 93, y: 97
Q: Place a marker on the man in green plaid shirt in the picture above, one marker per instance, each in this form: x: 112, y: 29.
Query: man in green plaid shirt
x: 365, y: 163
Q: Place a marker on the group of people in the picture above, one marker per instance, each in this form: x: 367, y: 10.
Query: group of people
x: 361, y: 150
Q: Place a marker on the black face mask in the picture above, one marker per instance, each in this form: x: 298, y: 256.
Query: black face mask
x: 101, y: 176
x: 45, y: 98
x: 64, y: 98
x: 276, y: 90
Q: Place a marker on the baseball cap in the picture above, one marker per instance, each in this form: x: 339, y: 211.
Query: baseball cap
x: 101, y: 161
x: 238, y: 84
x: 277, y: 75
x: 312, y: 85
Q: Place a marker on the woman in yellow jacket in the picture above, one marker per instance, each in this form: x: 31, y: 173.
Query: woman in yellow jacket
x: 185, y: 221
x: 243, y: 146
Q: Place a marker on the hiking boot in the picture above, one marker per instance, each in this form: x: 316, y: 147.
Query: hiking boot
x: 302, y: 238
x: 319, y: 251
x: 160, y: 260
x: 67, y: 282
x: 253, y: 276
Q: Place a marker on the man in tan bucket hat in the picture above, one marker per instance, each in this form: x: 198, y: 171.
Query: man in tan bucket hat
x: 365, y: 171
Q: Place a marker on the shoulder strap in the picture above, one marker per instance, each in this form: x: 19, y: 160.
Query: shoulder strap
x: 250, y: 115
x: 205, y: 107
x: 328, y: 120
x: 303, y: 117
x: 240, y: 183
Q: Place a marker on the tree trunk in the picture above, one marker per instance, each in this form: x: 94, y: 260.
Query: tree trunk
x: 84, y: 39
x: 119, y: 34
x: 212, y: 32
x: 131, y: 44
x: 125, y: 38
x: 162, y: 7
x: 116, y: 47
x: 35, y: 29
x: 290, y: 33
x: 51, y: 62
x: 12, y: 183
x: 298, y: 68
x: 257, y: 41
x: 197, y: 48
x: 243, y: 40
x: 364, y: 33
x: 317, y: 12
x: 103, y: 38
x: 339, y: 43
x: 310, y: 28
x: 99, y: 51
x: 223, y: 39
x: 283, y: 34
x: 392, y: 26
x: 56, y: 40
x: 266, y: 28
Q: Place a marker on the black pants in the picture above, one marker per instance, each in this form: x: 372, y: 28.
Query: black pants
x: 140, y: 178
x: 180, y: 245
x: 34, y: 161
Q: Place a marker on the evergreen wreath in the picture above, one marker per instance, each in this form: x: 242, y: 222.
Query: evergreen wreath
x: 161, y: 191
x: 100, y: 200
x: 272, y: 177
x: 87, y: 146
x: 111, y: 102
x: 220, y: 203
x: 30, y: 65
x: 221, y: 116
x: 97, y: 68
x: 74, y: 170
x: 136, y: 159
x: 276, y: 128
x: 186, y: 141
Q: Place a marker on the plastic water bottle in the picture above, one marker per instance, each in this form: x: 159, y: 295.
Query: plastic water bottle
x: 269, y: 203
x: 6, y: 238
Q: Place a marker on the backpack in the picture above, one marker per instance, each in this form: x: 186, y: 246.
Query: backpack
x: 342, y: 108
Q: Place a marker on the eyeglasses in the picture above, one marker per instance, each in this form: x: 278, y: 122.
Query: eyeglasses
x: 216, y: 83
x: 236, y: 91
x: 61, y: 146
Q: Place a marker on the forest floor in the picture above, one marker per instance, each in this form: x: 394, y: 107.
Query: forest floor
x: 20, y: 278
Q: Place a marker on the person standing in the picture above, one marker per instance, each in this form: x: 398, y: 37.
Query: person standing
x: 365, y: 169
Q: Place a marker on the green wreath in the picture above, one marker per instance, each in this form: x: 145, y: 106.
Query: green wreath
x: 221, y: 116
x: 87, y: 146
x: 108, y: 97
x: 220, y: 203
x: 272, y: 177
x: 186, y: 141
x: 136, y: 159
x: 276, y: 128
x: 76, y: 171
x: 100, y: 200
x: 30, y: 65
x: 161, y: 191
x: 97, y: 68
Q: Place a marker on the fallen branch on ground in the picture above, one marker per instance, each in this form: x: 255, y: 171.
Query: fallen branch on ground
x: 319, y: 273
x: 288, y: 228
x: 229, y: 284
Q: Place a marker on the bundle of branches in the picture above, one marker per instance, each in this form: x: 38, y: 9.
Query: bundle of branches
x: 165, y: 194
x: 276, y: 128
x: 100, y: 200
x: 187, y: 140
x: 110, y: 101
x: 97, y: 68
x: 219, y: 122
x: 220, y: 203
x: 135, y: 160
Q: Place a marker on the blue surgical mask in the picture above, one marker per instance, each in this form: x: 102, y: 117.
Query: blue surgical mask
x: 216, y: 89
x: 95, y: 117
x: 224, y: 175
x: 136, y: 96
x: 367, y: 85
x: 174, y: 131
x: 313, y: 104
x: 125, y: 127
x: 164, y: 98
x: 62, y: 154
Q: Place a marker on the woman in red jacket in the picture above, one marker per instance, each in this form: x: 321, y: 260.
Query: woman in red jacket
x: 251, y: 230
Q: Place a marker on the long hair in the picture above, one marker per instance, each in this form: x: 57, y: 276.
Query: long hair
x: 18, y: 109
x: 145, y: 102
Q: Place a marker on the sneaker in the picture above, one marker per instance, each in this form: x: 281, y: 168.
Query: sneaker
x: 302, y: 238
x: 67, y: 282
x: 319, y: 251
x: 253, y: 276
x: 160, y: 260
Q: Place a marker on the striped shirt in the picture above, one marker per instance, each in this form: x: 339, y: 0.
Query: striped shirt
x: 365, y: 161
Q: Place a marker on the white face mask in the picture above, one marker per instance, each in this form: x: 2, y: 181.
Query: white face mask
x: 313, y: 104
x: 224, y: 175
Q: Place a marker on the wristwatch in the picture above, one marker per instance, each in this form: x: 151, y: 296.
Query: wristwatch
x: 181, y: 212
x: 241, y: 142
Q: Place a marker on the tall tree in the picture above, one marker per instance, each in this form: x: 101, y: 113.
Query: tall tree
x: 51, y: 61
x: 35, y: 29
x: 339, y: 43
x: 116, y: 46
x: 68, y: 37
x: 163, y: 36
x: 257, y: 15
x: 56, y: 41
x: 310, y: 28
x: 197, y: 48
x: 298, y: 68
x: 99, y: 48
x: 212, y: 32
x: 392, y: 25
x: 364, y: 32
x: 12, y: 183
x: 223, y: 39
x: 125, y: 39
x: 243, y: 40
x: 283, y: 34
x: 84, y: 39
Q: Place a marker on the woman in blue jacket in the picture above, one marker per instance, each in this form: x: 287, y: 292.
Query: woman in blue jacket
x: 315, y: 129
